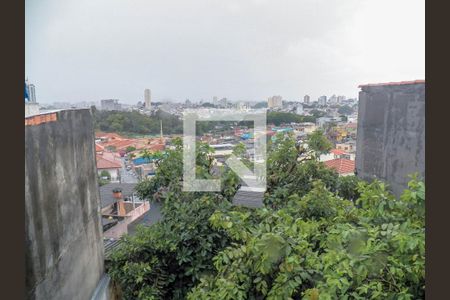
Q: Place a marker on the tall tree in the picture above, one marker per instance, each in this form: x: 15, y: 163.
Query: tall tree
x: 319, y: 143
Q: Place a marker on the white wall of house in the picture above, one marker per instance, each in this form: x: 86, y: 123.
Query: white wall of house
x: 347, y: 174
x: 326, y: 157
x: 115, y: 174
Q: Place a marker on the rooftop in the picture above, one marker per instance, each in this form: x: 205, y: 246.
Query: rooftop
x: 99, y: 148
x: 106, y: 194
x: 341, y: 165
x: 103, y: 163
x: 393, y: 83
x: 337, y: 151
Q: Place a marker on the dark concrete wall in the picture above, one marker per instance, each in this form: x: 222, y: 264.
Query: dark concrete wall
x: 391, y: 133
x: 63, y: 238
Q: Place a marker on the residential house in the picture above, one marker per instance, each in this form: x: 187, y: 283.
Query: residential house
x: 111, y: 166
x: 344, y: 167
x: 119, y: 210
x: 347, y: 147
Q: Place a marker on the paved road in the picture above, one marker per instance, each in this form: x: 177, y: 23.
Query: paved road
x: 150, y: 217
x: 127, y: 176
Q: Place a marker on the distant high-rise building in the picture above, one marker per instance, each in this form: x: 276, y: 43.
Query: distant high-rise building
x: 333, y: 99
x: 340, y: 99
x: 275, y: 101
x: 31, y: 107
x: 215, y: 100
x: 299, y: 109
x: 322, y: 100
x: 306, y: 99
x: 147, y: 99
x: 32, y: 90
x: 110, y: 104
x: 242, y: 105
x: 223, y: 102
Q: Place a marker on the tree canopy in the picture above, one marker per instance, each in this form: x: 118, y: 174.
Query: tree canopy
x: 136, y: 123
x: 318, y: 142
x: 345, y: 110
x: 319, y: 236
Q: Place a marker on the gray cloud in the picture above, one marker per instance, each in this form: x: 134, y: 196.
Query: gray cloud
x: 245, y: 50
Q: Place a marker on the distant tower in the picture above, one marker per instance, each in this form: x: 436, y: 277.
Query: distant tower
x: 274, y: 101
x: 31, y: 107
x: 306, y: 99
x: 147, y: 99
x: 32, y: 91
x: 161, y: 134
x: 322, y: 100
x: 27, y: 92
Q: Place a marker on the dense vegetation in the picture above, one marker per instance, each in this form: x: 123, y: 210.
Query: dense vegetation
x: 133, y: 122
x: 262, y: 104
x: 345, y: 110
x: 136, y: 123
x: 319, y: 236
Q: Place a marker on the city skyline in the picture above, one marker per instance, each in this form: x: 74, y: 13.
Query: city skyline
x: 236, y: 50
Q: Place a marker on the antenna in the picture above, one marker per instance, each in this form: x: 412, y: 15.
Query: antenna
x: 161, y: 134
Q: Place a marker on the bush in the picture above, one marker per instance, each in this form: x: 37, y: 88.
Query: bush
x: 327, y: 238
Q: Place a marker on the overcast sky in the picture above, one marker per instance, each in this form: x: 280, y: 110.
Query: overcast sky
x: 86, y: 50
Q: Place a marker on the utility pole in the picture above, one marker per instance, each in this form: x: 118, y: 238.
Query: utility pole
x: 161, y: 134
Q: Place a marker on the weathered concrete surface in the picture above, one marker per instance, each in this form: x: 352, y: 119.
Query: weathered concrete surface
x: 63, y: 238
x: 31, y: 109
x: 391, y: 133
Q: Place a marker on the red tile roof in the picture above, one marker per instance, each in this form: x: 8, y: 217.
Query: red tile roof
x: 107, y: 164
x: 337, y: 151
x: 108, y: 135
x: 155, y: 147
x: 393, y: 83
x: 120, y: 144
x: 351, y: 125
x: 341, y: 165
x: 99, y: 148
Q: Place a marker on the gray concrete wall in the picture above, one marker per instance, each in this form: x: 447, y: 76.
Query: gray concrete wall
x: 63, y: 238
x: 31, y: 109
x: 391, y: 133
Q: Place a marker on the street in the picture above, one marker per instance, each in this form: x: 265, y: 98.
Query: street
x: 127, y: 176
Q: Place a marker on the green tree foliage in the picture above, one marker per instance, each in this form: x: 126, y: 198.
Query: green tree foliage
x: 104, y: 178
x: 262, y: 104
x: 209, y: 105
x: 319, y: 143
x: 322, y: 247
x: 318, y: 237
x: 345, y: 110
x: 106, y: 174
x: 318, y: 113
x: 136, y: 123
x: 292, y: 168
x: 130, y: 149
x: 166, y: 260
x: 347, y: 187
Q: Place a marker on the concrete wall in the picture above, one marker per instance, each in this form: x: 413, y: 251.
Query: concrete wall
x: 63, y: 238
x: 31, y: 109
x: 391, y: 133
